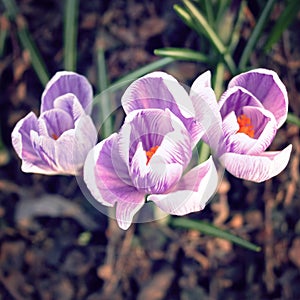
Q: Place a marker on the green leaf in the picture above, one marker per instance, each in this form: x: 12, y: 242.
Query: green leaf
x: 184, y: 16
x: 105, y: 107
x: 285, y: 19
x: 27, y: 42
x: 255, y: 35
x: 11, y: 8
x: 142, y: 71
x: 212, y: 230
x: 209, y: 11
x: 4, y: 25
x: 293, y: 119
x: 211, y: 34
x: 182, y: 54
x: 70, y: 34
x: 236, y: 31
x: 35, y: 56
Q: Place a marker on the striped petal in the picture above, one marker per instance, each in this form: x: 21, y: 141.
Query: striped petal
x: 256, y: 168
x: 266, y: 86
x: 191, y: 193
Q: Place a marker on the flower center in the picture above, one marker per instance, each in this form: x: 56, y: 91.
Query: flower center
x: 150, y: 153
x: 54, y: 136
x: 245, y: 125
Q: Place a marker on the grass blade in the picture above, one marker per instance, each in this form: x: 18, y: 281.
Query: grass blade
x: 181, y: 54
x: 235, y: 35
x: 27, y: 42
x: 4, y: 25
x: 209, y: 12
x: 11, y: 8
x: 70, y: 34
x: 105, y: 105
x: 184, y: 16
x: 144, y: 70
x: 282, y: 23
x: 293, y: 119
x: 255, y: 34
x: 35, y: 56
x: 211, y: 34
x: 212, y: 230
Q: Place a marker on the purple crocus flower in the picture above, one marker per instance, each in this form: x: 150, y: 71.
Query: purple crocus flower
x: 146, y: 160
x: 59, y: 140
x: 253, y: 107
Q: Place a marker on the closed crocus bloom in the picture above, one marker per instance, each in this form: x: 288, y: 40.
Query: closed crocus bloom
x: 145, y: 161
x: 253, y: 107
x: 58, y: 141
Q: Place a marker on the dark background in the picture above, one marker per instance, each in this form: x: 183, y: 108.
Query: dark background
x: 55, y: 245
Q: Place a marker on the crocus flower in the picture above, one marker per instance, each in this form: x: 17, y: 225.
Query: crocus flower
x: 196, y: 110
x: 253, y: 107
x: 146, y: 160
x: 58, y: 141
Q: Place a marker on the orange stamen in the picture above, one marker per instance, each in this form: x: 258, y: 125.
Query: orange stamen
x: 150, y: 153
x: 55, y: 136
x: 245, y: 125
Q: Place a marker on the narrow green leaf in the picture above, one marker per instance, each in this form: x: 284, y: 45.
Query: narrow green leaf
x: 284, y: 20
x: 209, y: 12
x: 70, y: 34
x: 11, y: 8
x: 35, y: 56
x: 236, y: 32
x: 182, y: 54
x: 105, y: 105
x: 293, y: 119
x: 144, y: 70
x: 212, y: 230
x: 255, y: 35
x: 184, y: 16
x: 3, y: 33
x: 204, y: 152
x: 218, y: 79
x: 27, y: 42
x: 211, y: 34
x: 222, y: 6
x: 198, y: 16
x: 102, y: 71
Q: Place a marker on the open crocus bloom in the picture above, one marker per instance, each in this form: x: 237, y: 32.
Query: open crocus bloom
x: 147, y: 158
x: 252, y: 109
x: 59, y: 140
x: 196, y: 110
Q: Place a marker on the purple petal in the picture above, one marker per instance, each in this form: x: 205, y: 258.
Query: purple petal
x: 192, y: 192
x: 207, y: 110
x: 256, y: 168
x: 70, y: 104
x: 158, y: 90
x: 162, y: 91
x: 154, y: 127
x: 65, y: 82
x: 21, y: 136
x: 201, y: 82
x: 53, y: 123
x: 267, y: 87
x: 45, y: 148
x: 155, y: 177
x: 126, y: 209
x: 264, y: 125
x: 142, y: 130
x: 230, y: 125
x: 234, y: 99
x: 107, y: 187
x: 22, y: 143
x: 73, y: 145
